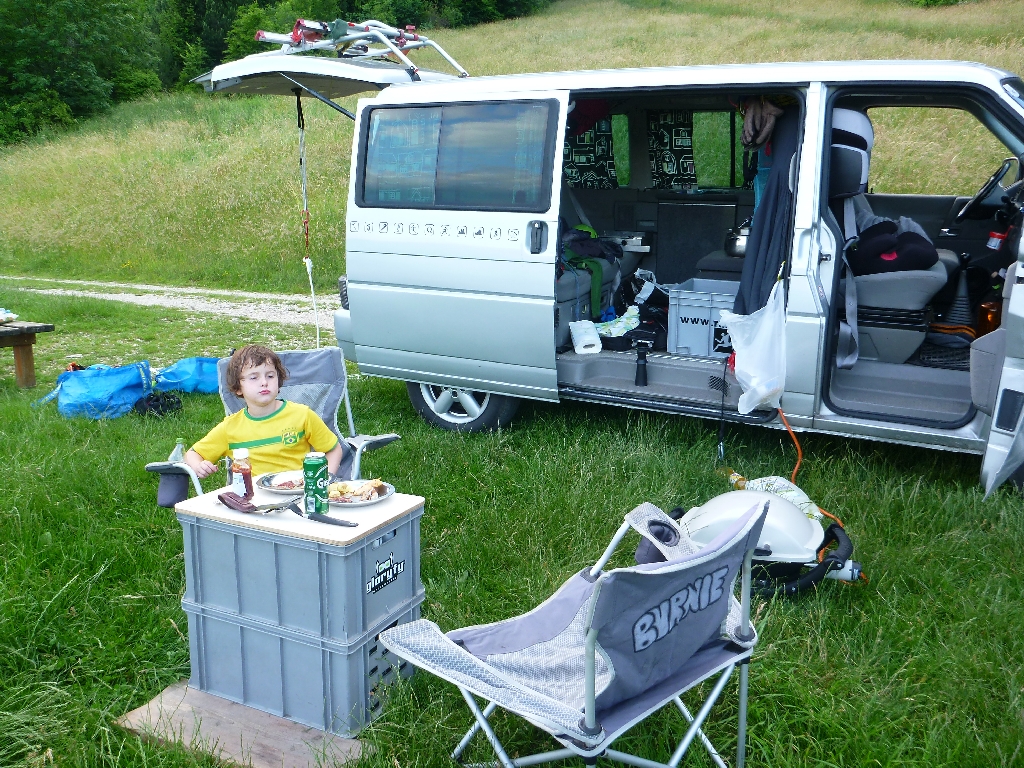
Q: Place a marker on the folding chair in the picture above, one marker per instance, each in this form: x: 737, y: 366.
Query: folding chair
x: 316, y: 378
x: 609, y: 648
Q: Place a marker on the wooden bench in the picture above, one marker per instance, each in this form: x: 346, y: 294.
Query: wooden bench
x: 22, y: 336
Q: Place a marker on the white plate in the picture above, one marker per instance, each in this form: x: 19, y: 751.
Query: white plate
x: 388, y: 490
x: 265, y: 483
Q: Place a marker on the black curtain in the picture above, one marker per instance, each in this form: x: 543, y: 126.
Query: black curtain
x: 770, y: 238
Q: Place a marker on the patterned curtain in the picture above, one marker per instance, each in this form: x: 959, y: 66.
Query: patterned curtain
x: 670, y: 149
x: 587, y: 161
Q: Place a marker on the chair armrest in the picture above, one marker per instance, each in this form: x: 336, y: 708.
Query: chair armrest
x: 363, y: 443
x: 371, y: 442
x: 176, y: 468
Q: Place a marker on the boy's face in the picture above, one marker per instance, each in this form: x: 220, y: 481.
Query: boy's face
x: 258, y: 384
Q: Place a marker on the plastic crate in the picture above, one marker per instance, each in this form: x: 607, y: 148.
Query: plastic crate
x: 335, y: 592
x: 324, y: 684
x: 694, y: 309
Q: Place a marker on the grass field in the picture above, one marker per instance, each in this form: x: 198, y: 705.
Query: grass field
x: 919, y: 667
x: 186, y: 189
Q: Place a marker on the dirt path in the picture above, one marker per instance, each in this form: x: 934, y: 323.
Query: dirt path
x: 288, y: 309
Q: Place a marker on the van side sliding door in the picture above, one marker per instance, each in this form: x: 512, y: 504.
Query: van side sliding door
x: 451, y: 234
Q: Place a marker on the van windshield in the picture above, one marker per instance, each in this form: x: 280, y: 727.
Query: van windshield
x: 470, y: 156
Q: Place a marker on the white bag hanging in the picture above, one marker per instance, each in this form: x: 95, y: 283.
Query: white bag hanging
x: 759, y: 340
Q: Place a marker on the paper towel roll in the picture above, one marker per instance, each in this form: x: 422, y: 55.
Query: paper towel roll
x: 584, y: 337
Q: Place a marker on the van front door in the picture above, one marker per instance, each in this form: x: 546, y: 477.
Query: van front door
x: 1004, y: 453
x: 451, y: 230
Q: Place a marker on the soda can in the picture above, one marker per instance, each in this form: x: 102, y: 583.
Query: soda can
x: 314, y: 473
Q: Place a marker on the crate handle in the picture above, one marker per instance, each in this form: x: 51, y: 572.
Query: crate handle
x: 384, y: 539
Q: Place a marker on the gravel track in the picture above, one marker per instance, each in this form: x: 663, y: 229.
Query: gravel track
x: 287, y: 309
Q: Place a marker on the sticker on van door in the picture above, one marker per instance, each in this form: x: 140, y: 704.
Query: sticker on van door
x: 478, y: 232
x: 463, y: 231
x: 495, y: 234
x: 513, y: 234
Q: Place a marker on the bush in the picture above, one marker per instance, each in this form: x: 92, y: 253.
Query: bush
x: 241, y: 39
x: 193, y: 64
x: 131, y: 83
x: 24, y: 117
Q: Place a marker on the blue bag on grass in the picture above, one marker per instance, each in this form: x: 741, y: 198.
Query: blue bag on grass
x: 193, y: 374
x: 100, y: 392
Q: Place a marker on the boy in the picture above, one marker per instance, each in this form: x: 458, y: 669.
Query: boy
x: 277, y: 433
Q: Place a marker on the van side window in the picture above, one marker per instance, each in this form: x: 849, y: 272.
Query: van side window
x: 468, y: 156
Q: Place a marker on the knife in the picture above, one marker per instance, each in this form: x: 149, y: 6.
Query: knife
x: 322, y: 518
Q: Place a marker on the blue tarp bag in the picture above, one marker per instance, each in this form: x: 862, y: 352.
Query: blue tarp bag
x: 100, y: 392
x: 193, y: 374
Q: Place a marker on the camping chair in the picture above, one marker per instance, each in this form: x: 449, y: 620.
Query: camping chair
x: 608, y: 648
x: 316, y: 378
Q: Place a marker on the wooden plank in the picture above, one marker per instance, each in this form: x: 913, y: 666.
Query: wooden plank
x: 18, y: 341
x: 19, y: 327
x: 235, y: 733
x: 370, y: 518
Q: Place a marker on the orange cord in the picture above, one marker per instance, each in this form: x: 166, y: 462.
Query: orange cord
x: 799, y: 452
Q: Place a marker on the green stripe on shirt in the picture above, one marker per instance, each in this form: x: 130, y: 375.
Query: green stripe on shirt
x: 263, y: 441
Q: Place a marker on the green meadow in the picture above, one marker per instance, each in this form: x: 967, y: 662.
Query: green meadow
x: 918, y: 666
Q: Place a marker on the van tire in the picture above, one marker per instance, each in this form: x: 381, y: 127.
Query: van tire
x: 494, y: 410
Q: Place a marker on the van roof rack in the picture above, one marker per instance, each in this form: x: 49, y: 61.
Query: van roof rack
x: 369, y: 39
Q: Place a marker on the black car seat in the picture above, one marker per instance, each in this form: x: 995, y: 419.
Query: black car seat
x: 885, y: 311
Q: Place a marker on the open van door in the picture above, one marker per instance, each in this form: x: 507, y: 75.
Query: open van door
x: 451, y: 241
x: 1004, y: 453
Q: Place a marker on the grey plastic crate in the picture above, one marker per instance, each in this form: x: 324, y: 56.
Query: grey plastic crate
x: 694, y: 309
x: 324, y: 684
x: 333, y: 592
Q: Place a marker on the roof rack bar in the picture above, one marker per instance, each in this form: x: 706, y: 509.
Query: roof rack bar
x: 342, y: 35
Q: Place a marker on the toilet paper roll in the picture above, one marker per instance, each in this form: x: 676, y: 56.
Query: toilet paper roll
x: 584, y: 337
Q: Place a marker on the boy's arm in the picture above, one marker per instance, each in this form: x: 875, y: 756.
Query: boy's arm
x: 204, y: 468
x: 334, y: 458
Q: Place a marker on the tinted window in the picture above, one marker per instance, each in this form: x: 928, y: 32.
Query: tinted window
x: 477, y: 156
x: 401, y: 156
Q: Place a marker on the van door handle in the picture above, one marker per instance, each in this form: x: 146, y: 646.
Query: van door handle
x: 538, y: 236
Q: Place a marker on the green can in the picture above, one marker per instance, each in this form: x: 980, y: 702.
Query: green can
x: 314, y: 473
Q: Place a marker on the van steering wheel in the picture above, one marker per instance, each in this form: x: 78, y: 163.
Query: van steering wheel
x: 986, y: 190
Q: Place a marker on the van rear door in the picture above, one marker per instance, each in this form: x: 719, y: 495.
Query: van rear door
x: 452, y: 222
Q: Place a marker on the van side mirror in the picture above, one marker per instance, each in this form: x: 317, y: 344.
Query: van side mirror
x: 538, y: 236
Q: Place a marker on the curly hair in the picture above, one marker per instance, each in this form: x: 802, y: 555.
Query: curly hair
x: 250, y: 356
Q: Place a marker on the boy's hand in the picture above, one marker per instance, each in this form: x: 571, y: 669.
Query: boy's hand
x: 200, y: 466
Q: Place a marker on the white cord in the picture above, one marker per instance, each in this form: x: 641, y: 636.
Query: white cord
x: 316, y: 312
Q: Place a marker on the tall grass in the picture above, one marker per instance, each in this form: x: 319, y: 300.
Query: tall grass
x: 188, y: 189
x: 919, y: 667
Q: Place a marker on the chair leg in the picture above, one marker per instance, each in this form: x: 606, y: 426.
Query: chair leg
x: 472, y: 732
x: 486, y: 728
x: 702, y: 714
x: 717, y: 758
x: 741, y: 736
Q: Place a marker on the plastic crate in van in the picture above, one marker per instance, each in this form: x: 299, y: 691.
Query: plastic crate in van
x: 332, y: 591
x: 315, y: 681
x: 694, y: 309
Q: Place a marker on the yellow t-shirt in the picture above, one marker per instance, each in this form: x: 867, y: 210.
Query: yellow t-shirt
x: 276, y: 443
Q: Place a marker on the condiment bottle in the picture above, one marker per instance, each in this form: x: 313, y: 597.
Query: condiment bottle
x: 241, y: 473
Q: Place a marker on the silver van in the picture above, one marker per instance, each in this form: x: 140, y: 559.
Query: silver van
x: 469, y: 198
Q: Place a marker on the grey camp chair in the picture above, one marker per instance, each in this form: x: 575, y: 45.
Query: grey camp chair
x: 608, y: 648
x: 316, y: 378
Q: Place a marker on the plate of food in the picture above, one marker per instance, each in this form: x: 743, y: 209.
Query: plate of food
x: 289, y: 482
x: 358, y: 493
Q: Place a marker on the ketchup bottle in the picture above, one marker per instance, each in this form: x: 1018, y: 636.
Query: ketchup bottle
x: 241, y: 473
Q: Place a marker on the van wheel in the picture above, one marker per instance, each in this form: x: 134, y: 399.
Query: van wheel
x: 461, y: 410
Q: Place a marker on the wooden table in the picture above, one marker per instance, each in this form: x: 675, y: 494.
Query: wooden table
x: 22, y: 336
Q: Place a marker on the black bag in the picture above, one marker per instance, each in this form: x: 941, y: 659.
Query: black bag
x: 158, y: 404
